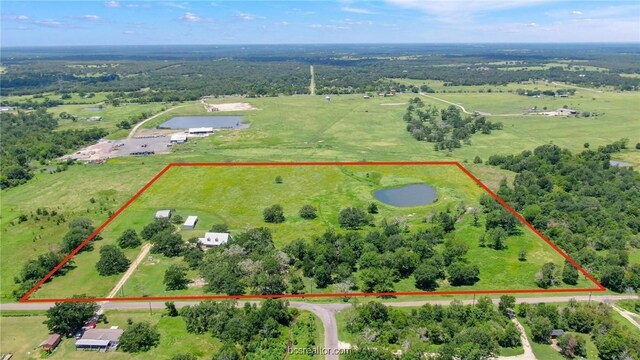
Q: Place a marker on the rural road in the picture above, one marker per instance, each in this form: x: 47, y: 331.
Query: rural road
x: 326, y: 312
x: 627, y: 315
x: 448, y: 102
x: 134, y: 265
x: 135, y: 128
x: 528, y: 351
x: 312, y: 85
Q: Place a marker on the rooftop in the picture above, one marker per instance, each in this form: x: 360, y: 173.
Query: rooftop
x: 102, y: 334
x: 214, y: 239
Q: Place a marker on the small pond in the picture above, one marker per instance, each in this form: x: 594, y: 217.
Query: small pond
x: 216, y: 122
x: 407, y: 195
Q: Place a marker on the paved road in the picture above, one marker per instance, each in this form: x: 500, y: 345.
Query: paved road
x: 135, y: 128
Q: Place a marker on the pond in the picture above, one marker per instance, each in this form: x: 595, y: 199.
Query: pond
x: 216, y: 122
x: 407, y: 195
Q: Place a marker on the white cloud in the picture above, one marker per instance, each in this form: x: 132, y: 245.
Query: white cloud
x: 458, y: 11
x: 138, y: 5
x: 576, y: 12
x: 532, y: 24
x: 49, y: 23
x: 91, y: 17
x: 22, y: 17
x: 355, y: 10
x: 332, y: 27
x: 112, y: 4
x: 193, y: 18
x: 247, y: 17
x: 182, y: 6
x: 281, y: 23
x: 129, y: 32
x: 357, y: 22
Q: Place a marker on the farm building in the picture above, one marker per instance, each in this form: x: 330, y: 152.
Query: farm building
x: 366, y: 97
x: 200, y: 130
x: 95, y: 118
x: 214, y: 239
x: 6, y: 108
x: 190, y: 223
x: 556, y: 332
x: 567, y: 112
x: 51, y: 343
x: 178, y: 138
x: 163, y: 214
x: 99, y: 340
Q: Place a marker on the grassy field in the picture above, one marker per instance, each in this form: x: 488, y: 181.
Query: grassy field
x: 236, y: 196
x: 301, y: 128
x: 22, y: 334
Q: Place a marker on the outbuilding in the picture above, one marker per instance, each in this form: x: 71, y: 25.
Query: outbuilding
x: 556, y: 332
x: 191, y: 222
x: 163, y: 214
x: 178, y: 138
x: 99, y: 340
x: 51, y: 343
x: 200, y: 130
x: 214, y: 239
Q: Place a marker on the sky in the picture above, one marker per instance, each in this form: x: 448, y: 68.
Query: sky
x: 113, y: 22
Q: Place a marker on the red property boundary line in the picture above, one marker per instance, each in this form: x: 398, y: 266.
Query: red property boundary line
x: 520, y: 218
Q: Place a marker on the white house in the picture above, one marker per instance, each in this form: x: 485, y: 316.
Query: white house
x: 190, y: 223
x: 214, y: 239
x: 163, y: 214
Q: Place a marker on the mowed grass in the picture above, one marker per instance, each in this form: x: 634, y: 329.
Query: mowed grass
x: 237, y: 195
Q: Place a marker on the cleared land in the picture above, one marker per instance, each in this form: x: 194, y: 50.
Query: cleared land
x: 299, y: 128
x: 236, y: 195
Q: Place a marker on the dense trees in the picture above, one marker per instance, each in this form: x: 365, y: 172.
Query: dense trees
x: 446, y: 128
x: 112, y: 261
x: 612, y: 340
x: 582, y: 203
x: 65, y: 318
x: 251, y: 328
x: 139, y: 337
x: 468, y: 332
x: 30, y: 136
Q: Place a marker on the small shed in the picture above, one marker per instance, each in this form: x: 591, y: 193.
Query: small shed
x: 51, y: 343
x: 567, y: 112
x: 366, y: 97
x: 556, y: 332
x: 328, y: 98
x: 163, y: 214
x: 95, y: 118
x: 214, y: 239
x: 191, y: 222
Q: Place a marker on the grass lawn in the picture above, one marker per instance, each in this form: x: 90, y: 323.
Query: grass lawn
x: 236, y: 195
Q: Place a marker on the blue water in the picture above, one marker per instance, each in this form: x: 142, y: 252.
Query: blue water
x: 407, y: 195
x: 216, y: 122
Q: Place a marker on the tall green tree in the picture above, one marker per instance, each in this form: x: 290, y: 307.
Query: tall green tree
x: 65, y: 318
x: 129, y: 239
x: 112, y: 261
x: 175, y: 278
x: 139, y: 337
